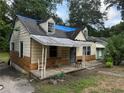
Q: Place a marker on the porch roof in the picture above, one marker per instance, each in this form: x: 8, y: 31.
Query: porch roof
x: 98, y: 45
x: 54, y: 41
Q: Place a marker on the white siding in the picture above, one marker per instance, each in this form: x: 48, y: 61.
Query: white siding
x: 36, y: 51
x: 79, y: 51
x: 45, y: 24
x: 80, y: 36
x: 21, y: 35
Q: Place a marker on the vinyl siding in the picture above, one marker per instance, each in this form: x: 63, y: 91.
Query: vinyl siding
x: 79, y: 50
x: 36, y: 51
x: 80, y: 36
x: 21, y: 35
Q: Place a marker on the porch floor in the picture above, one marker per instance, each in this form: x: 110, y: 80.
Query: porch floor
x: 66, y: 69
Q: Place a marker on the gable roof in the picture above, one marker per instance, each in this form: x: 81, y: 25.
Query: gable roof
x: 32, y: 26
x: 73, y: 34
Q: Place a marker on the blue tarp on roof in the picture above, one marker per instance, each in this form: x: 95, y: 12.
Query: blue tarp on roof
x: 65, y: 28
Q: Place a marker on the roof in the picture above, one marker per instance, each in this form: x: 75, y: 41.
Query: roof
x: 99, y: 45
x: 32, y: 26
x: 102, y: 40
x: 54, y: 41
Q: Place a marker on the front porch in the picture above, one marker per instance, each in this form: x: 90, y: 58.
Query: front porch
x: 65, y: 69
x: 55, y: 55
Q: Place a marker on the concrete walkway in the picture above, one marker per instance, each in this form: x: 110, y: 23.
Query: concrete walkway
x: 12, y: 81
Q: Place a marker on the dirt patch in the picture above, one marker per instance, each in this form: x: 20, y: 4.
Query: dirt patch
x: 14, y: 81
x: 107, y: 85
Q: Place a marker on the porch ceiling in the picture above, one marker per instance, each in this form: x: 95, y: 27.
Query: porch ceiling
x: 54, y: 41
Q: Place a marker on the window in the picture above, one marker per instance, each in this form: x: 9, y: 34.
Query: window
x: 52, y: 51
x: 12, y: 46
x: 51, y: 27
x: 21, y: 49
x: 87, y: 50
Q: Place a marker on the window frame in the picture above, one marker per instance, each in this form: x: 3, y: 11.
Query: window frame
x: 51, y: 27
x: 87, y: 50
x: 12, y: 46
x: 21, y: 49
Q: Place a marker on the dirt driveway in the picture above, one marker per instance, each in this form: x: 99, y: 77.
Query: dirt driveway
x: 13, y: 81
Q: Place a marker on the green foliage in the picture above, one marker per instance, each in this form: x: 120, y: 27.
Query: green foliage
x: 115, y: 48
x: 109, y: 64
x: 5, y: 26
x: 59, y: 76
x: 109, y: 59
x: 38, y: 9
x: 86, y: 12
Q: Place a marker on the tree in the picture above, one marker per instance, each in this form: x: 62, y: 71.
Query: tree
x: 58, y: 20
x: 5, y: 26
x: 117, y: 29
x: 115, y: 48
x: 86, y: 12
x: 38, y: 9
x: 117, y: 3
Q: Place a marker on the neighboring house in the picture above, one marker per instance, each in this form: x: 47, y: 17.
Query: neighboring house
x: 100, y: 46
x: 39, y: 44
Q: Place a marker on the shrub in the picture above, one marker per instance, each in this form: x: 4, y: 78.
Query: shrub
x: 109, y: 64
x: 59, y: 75
x: 109, y: 59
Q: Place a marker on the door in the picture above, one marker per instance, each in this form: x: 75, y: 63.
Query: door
x: 99, y: 54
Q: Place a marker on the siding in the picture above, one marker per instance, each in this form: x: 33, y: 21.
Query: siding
x: 21, y: 35
x: 63, y: 55
x: 36, y: 51
x: 80, y: 36
x: 45, y: 24
x: 79, y: 50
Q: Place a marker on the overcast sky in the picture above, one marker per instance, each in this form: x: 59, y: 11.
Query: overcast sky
x: 114, y: 16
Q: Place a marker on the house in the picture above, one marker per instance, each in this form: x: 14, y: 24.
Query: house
x: 100, y: 42
x: 37, y: 45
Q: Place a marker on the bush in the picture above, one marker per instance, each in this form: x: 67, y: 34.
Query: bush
x: 109, y: 59
x: 59, y: 75
x: 109, y: 64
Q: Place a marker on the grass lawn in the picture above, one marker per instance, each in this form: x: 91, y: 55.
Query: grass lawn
x: 87, y: 81
x: 4, y: 56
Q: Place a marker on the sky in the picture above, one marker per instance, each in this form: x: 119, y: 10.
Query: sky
x: 113, y: 16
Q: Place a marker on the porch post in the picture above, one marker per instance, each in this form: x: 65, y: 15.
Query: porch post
x: 42, y: 62
x: 45, y: 60
x: 83, y: 54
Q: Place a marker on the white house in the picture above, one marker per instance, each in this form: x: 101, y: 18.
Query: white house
x: 41, y: 44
